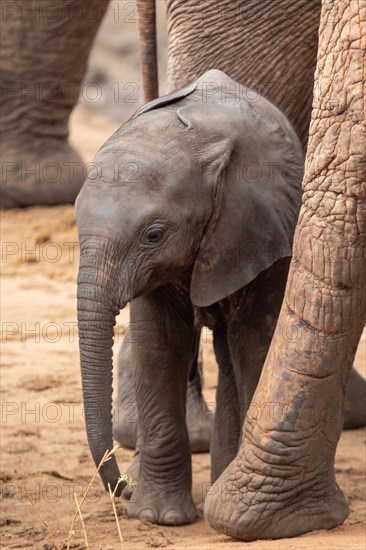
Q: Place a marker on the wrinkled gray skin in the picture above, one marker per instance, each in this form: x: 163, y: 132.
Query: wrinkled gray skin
x: 199, y: 417
x: 190, y: 218
x: 44, y: 53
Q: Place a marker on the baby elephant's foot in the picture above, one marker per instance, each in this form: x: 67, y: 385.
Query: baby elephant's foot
x: 161, y: 505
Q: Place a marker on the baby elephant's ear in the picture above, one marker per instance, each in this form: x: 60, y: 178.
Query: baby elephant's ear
x: 165, y: 100
x: 256, y: 193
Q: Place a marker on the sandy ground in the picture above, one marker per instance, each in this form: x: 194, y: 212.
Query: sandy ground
x: 43, y: 437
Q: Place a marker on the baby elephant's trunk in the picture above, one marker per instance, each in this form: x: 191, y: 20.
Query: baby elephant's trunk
x: 96, y: 318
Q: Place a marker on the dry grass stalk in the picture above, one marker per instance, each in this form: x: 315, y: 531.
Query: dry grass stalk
x: 82, y: 520
x: 42, y: 519
x: 106, y: 456
x: 115, y: 511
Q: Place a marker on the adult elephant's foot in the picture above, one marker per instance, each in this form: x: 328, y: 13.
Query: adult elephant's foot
x: 355, y: 403
x: 41, y: 172
x: 162, y: 505
x: 41, y: 87
x: 265, y: 493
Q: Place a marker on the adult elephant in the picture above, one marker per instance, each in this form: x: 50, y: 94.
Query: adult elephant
x: 282, y: 482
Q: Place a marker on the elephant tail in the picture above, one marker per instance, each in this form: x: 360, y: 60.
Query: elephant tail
x: 148, y: 49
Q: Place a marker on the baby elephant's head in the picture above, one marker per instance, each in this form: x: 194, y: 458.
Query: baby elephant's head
x: 144, y: 207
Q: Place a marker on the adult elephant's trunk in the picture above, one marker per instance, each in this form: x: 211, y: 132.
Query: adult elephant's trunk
x: 97, y: 309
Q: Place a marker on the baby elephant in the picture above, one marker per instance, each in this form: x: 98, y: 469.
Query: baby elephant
x: 189, y: 215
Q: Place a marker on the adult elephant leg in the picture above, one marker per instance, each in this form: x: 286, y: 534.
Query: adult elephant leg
x: 282, y: 482
x: 198, y: 417
x: 45, y: 48
x: 225, y: 438
x: 162, y: 349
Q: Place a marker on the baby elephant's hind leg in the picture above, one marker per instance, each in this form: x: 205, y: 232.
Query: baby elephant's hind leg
x: 125, y: 417
x: 199, y: 418
x: 355, y: 403
x: 251, y: 327
x: 225, y: 439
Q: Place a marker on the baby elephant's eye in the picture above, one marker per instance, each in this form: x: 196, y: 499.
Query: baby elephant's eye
x: 154, y: 235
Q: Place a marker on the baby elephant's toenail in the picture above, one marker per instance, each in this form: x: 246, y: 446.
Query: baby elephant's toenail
x: 173, y: 517
x: 148, y: 515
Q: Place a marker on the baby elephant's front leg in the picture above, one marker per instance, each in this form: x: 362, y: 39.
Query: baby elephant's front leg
x: 162, y: 346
